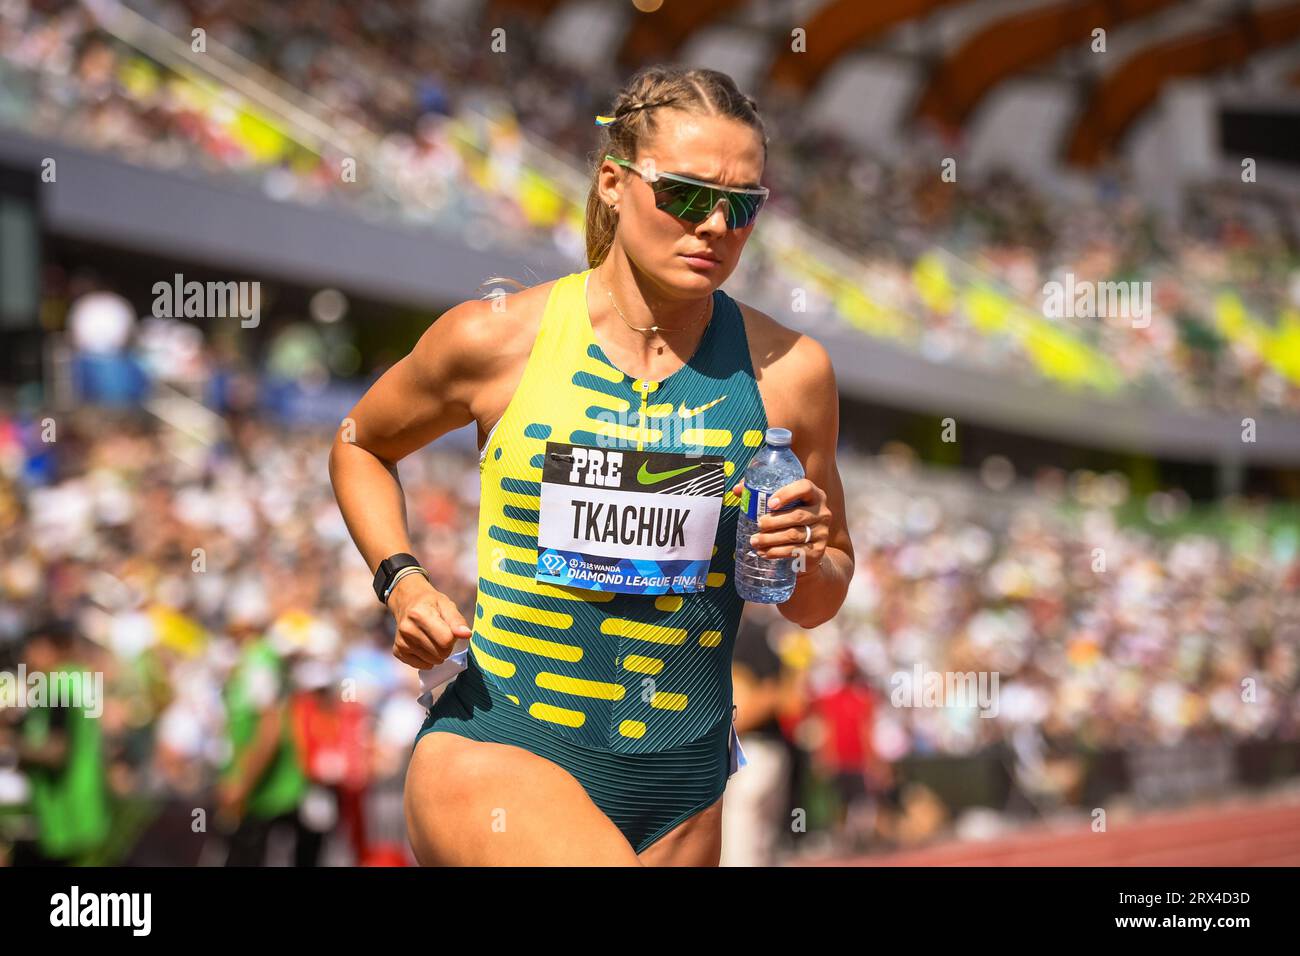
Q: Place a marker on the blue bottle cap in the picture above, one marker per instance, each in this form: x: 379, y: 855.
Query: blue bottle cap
x: 778, y: 437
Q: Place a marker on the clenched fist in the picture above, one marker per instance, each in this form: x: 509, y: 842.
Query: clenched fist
x: 428, y: 624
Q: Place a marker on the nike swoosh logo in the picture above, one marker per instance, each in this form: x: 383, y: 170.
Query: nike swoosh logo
x: 647, y: 477
x: 692, y: 412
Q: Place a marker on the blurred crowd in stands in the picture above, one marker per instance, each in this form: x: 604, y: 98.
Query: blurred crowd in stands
x: 444, y: 130
x: 195, y: 557
x: 248, y: 677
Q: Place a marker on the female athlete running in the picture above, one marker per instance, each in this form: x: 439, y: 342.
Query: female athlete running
x: 617, y: 409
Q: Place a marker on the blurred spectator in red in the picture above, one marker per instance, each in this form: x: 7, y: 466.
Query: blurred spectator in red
x: 333, y: 739
x: 846, y: 756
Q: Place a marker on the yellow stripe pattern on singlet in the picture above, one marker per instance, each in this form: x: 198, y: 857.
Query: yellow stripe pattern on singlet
x: 630, y: 673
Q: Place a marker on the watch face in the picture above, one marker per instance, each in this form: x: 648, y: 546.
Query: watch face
x: 388, y: 568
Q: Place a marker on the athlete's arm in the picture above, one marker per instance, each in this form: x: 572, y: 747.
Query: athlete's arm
x: 428, y: 393
x: 805, y: 375
x: 50, y: 754
x: 256, y: 760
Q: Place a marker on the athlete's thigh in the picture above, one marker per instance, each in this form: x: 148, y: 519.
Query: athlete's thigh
x: 470, y: 803
x: 696, y: 841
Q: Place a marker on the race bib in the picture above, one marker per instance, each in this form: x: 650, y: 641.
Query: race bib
x: 635, y: 522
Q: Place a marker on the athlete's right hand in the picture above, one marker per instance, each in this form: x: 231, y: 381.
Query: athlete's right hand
x: 428, y: 623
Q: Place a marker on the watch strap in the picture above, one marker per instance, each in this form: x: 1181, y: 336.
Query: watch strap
x: 386, y: 575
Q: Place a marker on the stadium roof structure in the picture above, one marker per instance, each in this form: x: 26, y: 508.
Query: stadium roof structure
x: 1120, y: 95
x: 963, y: 50
x: 1009, y: 42
x: 1079, y: 393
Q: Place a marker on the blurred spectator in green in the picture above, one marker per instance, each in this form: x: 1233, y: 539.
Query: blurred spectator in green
x: 61, y: 751
x: 263, y: 784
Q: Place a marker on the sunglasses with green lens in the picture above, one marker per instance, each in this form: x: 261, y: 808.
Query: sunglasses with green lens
x: 694, y: 200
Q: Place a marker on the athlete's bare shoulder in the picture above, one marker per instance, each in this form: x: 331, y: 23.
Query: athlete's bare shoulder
x: 797, y: 383
x: 481, y: 333
x: 480, y: 347
x: 785, y: 359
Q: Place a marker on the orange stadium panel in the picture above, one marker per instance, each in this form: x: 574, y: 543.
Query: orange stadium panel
x: 839, y: 28
x: 1011, y: 44
x: 1124, y: 94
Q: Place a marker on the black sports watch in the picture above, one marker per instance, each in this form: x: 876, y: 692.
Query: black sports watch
x: 386, y: 576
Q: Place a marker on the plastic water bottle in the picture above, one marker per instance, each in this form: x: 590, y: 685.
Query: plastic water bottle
x: 765, y: 580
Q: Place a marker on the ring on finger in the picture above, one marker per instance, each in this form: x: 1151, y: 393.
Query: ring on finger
x: 807, y: 533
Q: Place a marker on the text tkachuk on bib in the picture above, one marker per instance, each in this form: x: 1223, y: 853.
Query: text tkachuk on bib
x: 634, y: 522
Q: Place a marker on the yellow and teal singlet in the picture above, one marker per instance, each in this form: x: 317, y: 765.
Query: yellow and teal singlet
x: 629, y: 692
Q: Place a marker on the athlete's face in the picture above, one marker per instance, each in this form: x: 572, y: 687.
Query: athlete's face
x: 709, y: 148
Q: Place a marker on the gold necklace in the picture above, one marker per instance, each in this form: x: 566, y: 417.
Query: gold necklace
x: 654, y: 329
